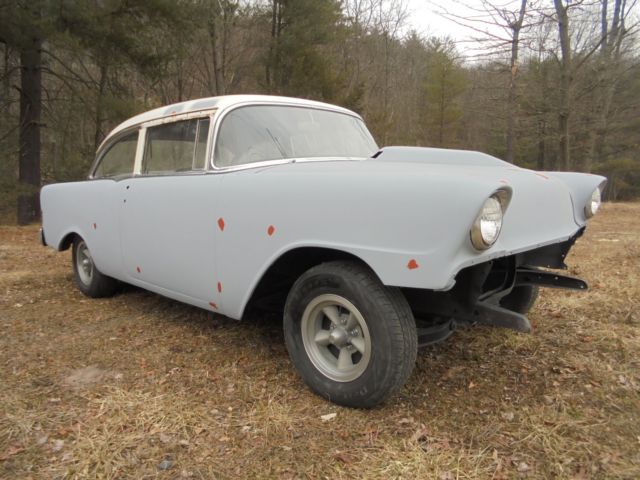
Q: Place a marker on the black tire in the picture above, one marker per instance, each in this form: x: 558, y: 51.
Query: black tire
x: 521, y: 299
x: 389, y: 325
x: 93, y: 284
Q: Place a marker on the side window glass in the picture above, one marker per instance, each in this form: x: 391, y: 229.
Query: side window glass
x: 245, y: 136
x: 119, y: 158
x: 176, y: 147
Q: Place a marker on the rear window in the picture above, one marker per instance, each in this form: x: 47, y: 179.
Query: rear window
x: 176, y: 147
x: 119, y: 158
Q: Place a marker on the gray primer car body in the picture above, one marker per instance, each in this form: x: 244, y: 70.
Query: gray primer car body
x: 406, y: 213
x: 291, y: 208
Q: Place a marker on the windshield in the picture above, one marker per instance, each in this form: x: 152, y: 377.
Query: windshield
x: 263, y: 132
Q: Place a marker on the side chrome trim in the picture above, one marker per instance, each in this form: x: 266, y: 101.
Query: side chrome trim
x: 137, y: 163
x: 272, y: 163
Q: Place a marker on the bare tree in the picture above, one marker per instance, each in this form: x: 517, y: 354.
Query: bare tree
x: 503, y: 41
x: 516, y: 26
x: 564, y: 110
x: 614, y: 31
x: 30, y: 111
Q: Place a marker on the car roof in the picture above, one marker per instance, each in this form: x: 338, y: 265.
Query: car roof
x: 221, y: 102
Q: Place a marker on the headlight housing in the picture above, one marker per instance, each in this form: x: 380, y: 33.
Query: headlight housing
x: 486, y: 229
x: 593, y: 205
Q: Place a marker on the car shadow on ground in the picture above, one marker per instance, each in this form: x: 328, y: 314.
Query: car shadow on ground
x: 264, y: 326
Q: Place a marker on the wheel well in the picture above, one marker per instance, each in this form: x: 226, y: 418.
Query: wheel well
x: 67, y: 241
x: 271, y: 292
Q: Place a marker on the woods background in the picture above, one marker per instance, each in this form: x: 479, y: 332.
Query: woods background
x: 558, y: 88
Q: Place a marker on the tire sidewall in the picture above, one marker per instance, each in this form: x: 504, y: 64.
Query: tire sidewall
x: 378, y: 371
x: 83, y: 287
x: 100, y: 285
x: 521, y: 299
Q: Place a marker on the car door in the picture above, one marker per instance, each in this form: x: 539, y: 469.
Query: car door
x: 167, y: 213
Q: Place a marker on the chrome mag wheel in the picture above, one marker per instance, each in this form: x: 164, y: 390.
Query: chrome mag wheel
x: 336, y: 337
x: 84, y: 263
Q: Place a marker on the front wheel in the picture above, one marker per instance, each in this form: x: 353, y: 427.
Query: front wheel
x: 352, y: 339
x: 521, y: 299
x: 89, y: 279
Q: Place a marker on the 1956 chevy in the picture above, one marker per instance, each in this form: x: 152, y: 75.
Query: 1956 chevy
x: 242, y: 203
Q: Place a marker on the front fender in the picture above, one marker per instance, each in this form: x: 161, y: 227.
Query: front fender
x: 411, y: 224
x: 581, y: 186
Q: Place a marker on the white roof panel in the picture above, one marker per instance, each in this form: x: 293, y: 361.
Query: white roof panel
x: 211, y: 103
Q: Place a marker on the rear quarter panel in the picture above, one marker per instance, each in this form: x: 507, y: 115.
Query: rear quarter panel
x: 89, y: 209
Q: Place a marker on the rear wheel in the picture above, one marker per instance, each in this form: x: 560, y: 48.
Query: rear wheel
x: 352, y: 339
x: 88, y: 278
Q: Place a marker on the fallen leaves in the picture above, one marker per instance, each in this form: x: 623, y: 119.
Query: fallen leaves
x: 523, y: 467
x: 14, y: 449
x: 508, y: 416
x: 343, y: 457
x: 328, y: 417
x: 424, y: 438
x: 57, y: 445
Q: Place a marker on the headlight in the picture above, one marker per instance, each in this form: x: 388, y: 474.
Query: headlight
x: 593, y: 204
x: 486, y: 228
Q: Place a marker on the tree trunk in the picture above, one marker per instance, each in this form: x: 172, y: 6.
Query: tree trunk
x: 565, y: 85
x: 30, y: 109
x: 542, y: 132
x: 441, y: 109
x: 608, y: 76
x: 102, y: 85
x: 6, y: 79
x: 217, y: 53
x: 273, y: 47
x: 512, y: 97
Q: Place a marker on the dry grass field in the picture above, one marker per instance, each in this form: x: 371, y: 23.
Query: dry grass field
x: 138, y: 386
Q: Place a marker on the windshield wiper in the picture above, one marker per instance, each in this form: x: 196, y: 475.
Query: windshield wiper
x: 277, y: 144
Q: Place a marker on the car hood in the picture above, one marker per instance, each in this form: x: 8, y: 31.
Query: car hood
x: 396, y: 172
x: 467, y: 163
x: 438, y: 156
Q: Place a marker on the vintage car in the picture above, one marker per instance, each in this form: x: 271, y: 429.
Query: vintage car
x: 241, y: 204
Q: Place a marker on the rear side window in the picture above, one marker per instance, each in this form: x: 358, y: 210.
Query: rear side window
x: 176, y: 147
x: 119, y: 158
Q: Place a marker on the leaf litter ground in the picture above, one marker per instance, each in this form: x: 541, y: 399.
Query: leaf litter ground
x: 139, y: 386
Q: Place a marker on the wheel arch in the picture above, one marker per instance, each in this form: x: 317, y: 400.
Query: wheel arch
x: 278, y: 278
x: 67, y: 241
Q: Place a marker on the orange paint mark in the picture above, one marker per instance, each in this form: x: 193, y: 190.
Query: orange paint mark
x: 94, y: 226
x: 138, y: 270
x: 219, y: 287
x: 213, y: 305
x: 504, y: 181
x: 271, y: 230
x: 412, y: 265
x: 221, y: 224
x: 541, y: 175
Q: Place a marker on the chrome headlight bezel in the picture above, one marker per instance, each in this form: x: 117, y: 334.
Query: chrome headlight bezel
x: 594, y: 203
x: 494, y: 206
